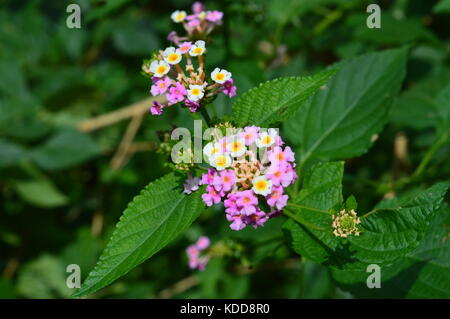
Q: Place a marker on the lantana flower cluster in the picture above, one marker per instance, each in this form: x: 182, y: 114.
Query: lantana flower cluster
x: 173, y: 72
x: 196, y: 256
x: 249, y: 174
x: 199, y: 22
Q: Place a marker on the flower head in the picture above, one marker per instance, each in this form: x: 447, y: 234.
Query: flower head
x: 198, y: 48
x: 224, y: 181
x: 160, y: 86
x: 176, y: 93
x: 262, y: 185
x: 267, y: 139
x: 228, y: 88
x: 178, y: 16
x: 202, y: 243
x: 250, y: 134
x: 346, y: 223
x: 214, y: 16
x: 195, y: 92
x: 191, y: 184
x: 198, y: 7
x: 236, y: 146
x: 193, y: 106
x: 277, y: 198
x: 246, y: 182
x: 197, y: 256
x: 156, y: 108
x: 220, y: 161
x: 172, y: 55
x: 185, y: 47
x: 212, y: 196
x: 159, y: 68
x: 220, y: 75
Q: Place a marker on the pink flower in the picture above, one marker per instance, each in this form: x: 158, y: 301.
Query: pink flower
x: 208, y: 178
x: 247, y: 202
x: 237, y: 222
x: 212, y: 196
x: 214, y: 16
x: 161, y: 86
x: 193, y: 23
x: 279, y: 141
x: 202, y: 243
x: 176, y: 93
x: 193, y: 106
x: 230, y: 204
x: 191, y: 184
x: 173, y: 37
x: 224, y: 181
x: 184, y: 47
x: 156, y: 108
x: 198, y: 7
x: 250, y: 134
x: 258, y: 219
x: 192, y: 251
x: 277, y: 198
x: 280, y: 174
x: 277, y: 156
x: 228, y: 88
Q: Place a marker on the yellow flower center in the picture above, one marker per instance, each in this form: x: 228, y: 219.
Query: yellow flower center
x: 221, y: 161
x: 220, y: 76
x: 198, y: 50
x: 161, y: 69
x: 214, y: 150
x: 195, y: 91
x: 173, y: 57
x: 180, y: 16
x: 266, y: 139
x: 261, y: 185
x: 236, y: 146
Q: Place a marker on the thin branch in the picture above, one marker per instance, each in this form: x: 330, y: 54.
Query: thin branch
x: 121, y: 114
x: 119, y: 158
x: 179, y: 287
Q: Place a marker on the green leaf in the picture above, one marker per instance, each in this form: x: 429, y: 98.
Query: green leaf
x: 152, y: 220
x: 425, y: 273
x: 10, y: 153
x: 341, y: 120
x: 274, y: 101
x: 421, y: 106
x: 442, y: 7
x: 65, y: 149
x: 390, y: 233
x: 40, y: 192
x: 387, y: 233
x: 43, y: 278
x: 442, y: 103
x: 321, y: 190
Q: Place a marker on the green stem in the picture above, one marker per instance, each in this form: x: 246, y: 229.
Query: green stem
x: 300, y: 220
x: 431, y: 152
x: 205, y: 114
x: 402, y: 182
x: 308, y: 208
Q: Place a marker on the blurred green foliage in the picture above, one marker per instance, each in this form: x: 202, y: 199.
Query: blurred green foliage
x: 60, y: 198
